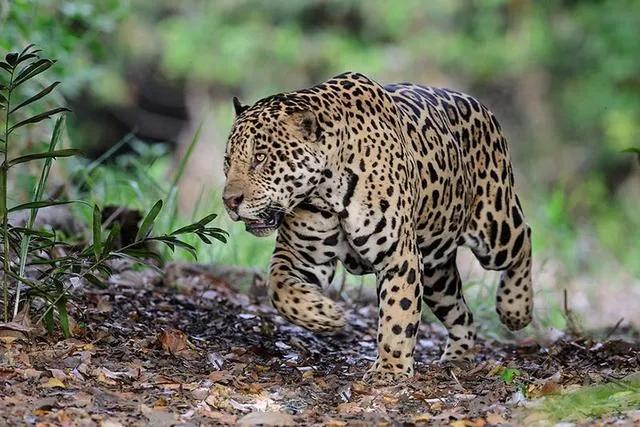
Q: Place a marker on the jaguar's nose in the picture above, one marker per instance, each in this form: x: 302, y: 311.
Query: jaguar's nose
x: 233, y: 200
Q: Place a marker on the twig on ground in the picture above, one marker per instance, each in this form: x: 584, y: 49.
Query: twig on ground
x: 572, y: 325
x: 614, y: 329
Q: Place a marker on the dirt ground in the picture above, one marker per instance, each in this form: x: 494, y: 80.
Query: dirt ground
x: 186, y: 348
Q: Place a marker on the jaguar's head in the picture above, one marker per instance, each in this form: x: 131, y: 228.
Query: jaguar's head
x: 272, y: 161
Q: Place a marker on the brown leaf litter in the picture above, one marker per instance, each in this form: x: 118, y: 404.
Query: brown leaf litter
x: 192, y: 350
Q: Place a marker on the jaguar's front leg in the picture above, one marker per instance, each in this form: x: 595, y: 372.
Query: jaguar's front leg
x: 400, y: 306
x: 303, y: 262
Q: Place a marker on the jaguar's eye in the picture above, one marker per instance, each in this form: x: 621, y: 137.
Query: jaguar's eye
x: 260, y: 157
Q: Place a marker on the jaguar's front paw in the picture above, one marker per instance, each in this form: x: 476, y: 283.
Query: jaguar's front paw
x: 387, y: 373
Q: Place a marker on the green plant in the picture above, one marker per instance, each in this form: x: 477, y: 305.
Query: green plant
x: 40, y: 261
x: 19, y: 68
x: 596, y: 401
x: 510, y: 374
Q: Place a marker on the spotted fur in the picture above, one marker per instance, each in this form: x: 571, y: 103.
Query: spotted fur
x: 388, y: 180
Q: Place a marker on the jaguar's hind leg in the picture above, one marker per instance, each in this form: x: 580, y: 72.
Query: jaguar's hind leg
x: 503, y: 242
x: 442, y: 292
x: 514, y: 299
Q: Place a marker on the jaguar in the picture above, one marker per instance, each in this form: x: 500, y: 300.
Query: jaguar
x: 389, y: 180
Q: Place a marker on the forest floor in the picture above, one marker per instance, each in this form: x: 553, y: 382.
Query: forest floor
x: 187, y: 348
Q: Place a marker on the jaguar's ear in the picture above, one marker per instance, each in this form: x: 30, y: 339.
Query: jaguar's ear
x: 306, y: 124
x: 238, y: 107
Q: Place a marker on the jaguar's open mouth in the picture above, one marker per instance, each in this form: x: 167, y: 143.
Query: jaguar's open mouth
x: 269, y: 221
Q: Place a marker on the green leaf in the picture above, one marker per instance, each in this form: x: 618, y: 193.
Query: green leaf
x: 47, y: 319
x: 26, y: 57
x: 67, y: 152
x: 42, y: 204
x: 6, y: 66
x: 27, y: 49
x: 95, y: 281
x: 105, y: 270
x: 207, y: 219
x: 172, y: 242
x: 186, y: 229
x: 204, y: 238
x: 44, y: 92
x: 11, y: 58
x: 32, y: 70
x: 39, y: 117
x: 53, y: 262
x: 147, y: 223
x: 61, y: 305
x: 139, y: 254
x: 197, y: 226
x: 111, y: 238
x: 32, y: 232
x: 27, y: 282
x: 509, y: 374
x: 218, y: 236
x: 97, y: 232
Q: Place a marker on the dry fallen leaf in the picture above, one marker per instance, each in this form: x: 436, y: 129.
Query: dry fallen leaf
x: 12, y: 331
x: 389, y: 400
x: 436, y: 406
x: 58, y: 373
x: 174, y: 341
x: 422, y: 418
x: 244, y: 407
x: 251, y: 388
x: 102, y: 377
x: 220, y: 418
x: 200, y: 393
x: 547, y: 386
x: 349, y: 408
x: 158, y: 417
x: 217, y: 376
x: 104, y: 306
x: 360, y: 387
x: 469, y: 423
x: 30, y: 373
x: 160, y: 403
x: 53, y: 383
x: 266, y: 419
x: 494, y: 418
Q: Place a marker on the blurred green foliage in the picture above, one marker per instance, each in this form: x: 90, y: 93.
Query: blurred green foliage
x: 563, y: 76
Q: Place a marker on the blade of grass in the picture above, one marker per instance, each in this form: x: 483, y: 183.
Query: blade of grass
x: 61, y: 305
x: 147, y: 222
x: 42, y: 204
x: 173, y: 190
x: 172, y: 205
x: 47, y: 155
x: 97, y: 232
x: 100, y: 160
